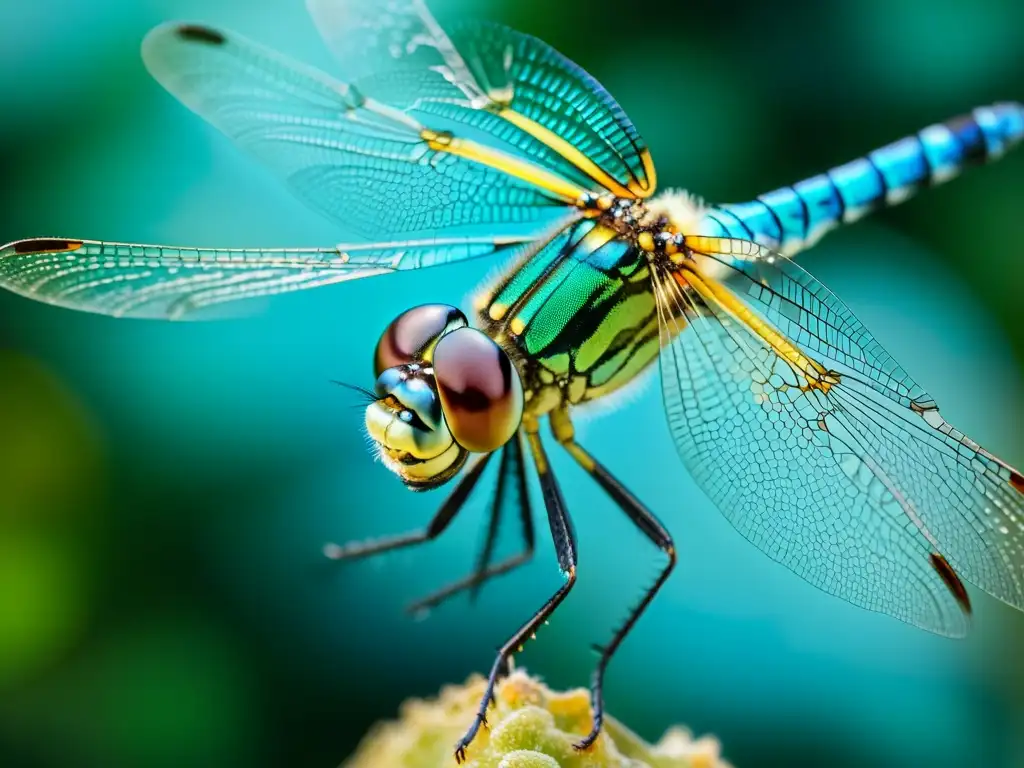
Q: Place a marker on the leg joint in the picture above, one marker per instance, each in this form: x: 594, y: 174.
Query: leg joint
x: 561, y: 426
x: 570, y: 576
x: 670, y: 550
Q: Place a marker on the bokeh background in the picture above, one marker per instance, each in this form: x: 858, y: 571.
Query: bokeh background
x: 165, y: 489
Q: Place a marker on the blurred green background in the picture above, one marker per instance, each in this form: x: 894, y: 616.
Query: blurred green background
x: 165, y: 489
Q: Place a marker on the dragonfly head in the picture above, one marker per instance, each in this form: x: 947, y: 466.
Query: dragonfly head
x: 444, y: 390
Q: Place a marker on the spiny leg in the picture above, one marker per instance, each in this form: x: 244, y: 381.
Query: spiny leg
x: 565, y: 546
x: 648, y: 524
x: 511, y: 488
x: 358, y: 549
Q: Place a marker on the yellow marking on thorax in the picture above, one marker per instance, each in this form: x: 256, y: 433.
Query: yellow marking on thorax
x: 716, y: 294
x: 544, y: 401
x: 596, y: 238
x: 576, y: 388
x: 555, y: 142
x: 513, y: 166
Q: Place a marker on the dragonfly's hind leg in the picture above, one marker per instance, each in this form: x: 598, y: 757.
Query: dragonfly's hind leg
x: 565, y: 546
x: 359, y: 549
x: 648, y: 524
x: 510, y: 489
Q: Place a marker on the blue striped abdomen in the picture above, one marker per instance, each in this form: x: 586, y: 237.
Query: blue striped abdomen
x: 795, y: 217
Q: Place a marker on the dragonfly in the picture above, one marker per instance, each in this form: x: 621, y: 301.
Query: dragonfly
x: 441, y: 144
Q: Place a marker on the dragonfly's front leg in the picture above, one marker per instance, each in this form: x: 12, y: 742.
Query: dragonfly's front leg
x: 359, y: 549
x: 565, y: 546
x: 511, y: 488
x: 648, y: 524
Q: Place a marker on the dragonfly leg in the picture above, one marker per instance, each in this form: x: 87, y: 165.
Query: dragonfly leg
x: 648, y: 524
x: 359, y: 549
x: 565, y: 546
x: 511, y: 484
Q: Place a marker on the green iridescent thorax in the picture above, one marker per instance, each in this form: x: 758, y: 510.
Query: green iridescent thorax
x: 578, y: 317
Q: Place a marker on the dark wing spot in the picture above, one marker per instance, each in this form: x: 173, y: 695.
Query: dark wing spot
x: 27, y: 247
x: 945, y: 570
x: 197, y: 34
x: 1017, y: 481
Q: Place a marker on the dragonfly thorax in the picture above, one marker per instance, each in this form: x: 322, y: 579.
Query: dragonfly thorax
x: 578, y: 317
x: 656, y: 226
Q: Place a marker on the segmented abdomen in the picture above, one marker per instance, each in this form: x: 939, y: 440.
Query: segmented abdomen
x: 795, y: 217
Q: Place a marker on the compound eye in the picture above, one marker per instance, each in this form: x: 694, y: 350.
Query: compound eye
x: 411, y: 336
x: 479, y: 388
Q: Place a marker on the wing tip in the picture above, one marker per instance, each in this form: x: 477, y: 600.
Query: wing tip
x: 166, y: 44
x: 174, y: 33
x: 199, y: 33
x: 187, y: 31
x: 37, y: 245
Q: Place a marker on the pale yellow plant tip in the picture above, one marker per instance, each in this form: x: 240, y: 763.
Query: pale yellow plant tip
x: 530, y: 726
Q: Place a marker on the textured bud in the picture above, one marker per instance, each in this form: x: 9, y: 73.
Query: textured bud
x: 529, y: 727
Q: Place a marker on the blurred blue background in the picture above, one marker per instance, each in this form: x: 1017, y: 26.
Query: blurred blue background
x: 165, y: 489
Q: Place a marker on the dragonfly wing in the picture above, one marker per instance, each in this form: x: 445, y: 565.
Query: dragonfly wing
x: 379, y: 39
x: 151, y: 281
x: 506, y: 88
x: 371, y: 167
x: 821, y: 449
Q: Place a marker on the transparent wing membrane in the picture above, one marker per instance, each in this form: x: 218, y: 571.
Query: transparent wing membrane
x: 821, y: 450
x: 378, y: 38
x: 504, y: 88
x: 555, y: 111
x: 413, y: 149
x: 370, y: 167
x: 153, y: 281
